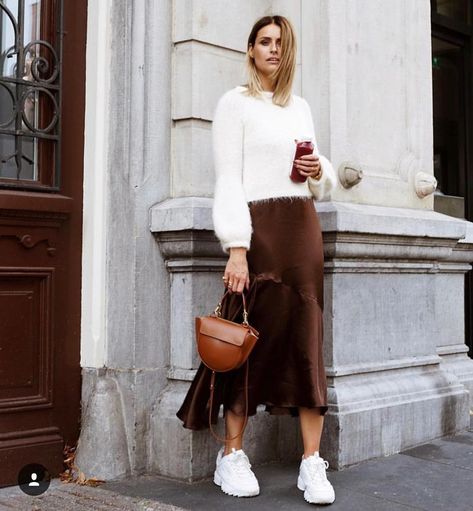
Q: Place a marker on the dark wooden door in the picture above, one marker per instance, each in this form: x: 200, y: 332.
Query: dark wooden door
x: 41, y: 173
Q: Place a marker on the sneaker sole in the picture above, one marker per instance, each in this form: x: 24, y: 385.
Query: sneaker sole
x: 230, y: 490
x: 323, y: 500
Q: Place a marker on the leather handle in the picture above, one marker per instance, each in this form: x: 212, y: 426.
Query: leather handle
x: 242, y: 295
x: 245, y: 312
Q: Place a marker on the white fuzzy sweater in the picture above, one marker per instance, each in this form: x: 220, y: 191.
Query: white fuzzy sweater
x: 253, y: 149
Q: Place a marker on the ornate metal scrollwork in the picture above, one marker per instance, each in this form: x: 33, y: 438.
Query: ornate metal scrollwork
x: 33, y: 86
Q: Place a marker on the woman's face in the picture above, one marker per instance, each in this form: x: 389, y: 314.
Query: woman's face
x: 267, y: 49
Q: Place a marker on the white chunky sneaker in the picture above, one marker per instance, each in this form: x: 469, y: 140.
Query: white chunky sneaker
x: 313, y: 480
x: 234, y: 475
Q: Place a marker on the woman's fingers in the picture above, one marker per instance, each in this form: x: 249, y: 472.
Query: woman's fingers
x: 235, y: 286
x: 315, y: 175
x: 307, y: 161
x: 305, y: 165
x: 237, y: 274
x: 312, y: 156
x: 240, y: 286
x: 238, y: 282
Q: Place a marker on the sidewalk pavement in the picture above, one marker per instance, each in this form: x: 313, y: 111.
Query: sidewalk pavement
x: 434, y: 476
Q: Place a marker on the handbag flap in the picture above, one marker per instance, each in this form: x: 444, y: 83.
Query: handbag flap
x: 223, y: 329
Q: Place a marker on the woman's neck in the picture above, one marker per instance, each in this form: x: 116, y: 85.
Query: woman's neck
x: 266, y: 84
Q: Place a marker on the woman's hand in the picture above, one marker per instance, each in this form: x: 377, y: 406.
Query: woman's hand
x: 309, y: 165
x: 236, y: 276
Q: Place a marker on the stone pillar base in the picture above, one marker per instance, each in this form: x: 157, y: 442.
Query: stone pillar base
x: 394, y: 329
x: 190, y: 455
x: 116, y: 406
x: 383, y: 412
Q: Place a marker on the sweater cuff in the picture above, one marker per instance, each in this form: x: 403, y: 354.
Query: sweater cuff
x: 229, y: 244
x: 322, y: 187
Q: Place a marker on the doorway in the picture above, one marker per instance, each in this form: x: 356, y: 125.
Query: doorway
x: 452, y: 75
x: 42, y: 101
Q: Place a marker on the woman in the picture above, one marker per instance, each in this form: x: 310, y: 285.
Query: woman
x: 268, y: 225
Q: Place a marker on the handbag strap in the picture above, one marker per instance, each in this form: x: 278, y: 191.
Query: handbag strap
x: 245, y: 312
x: 212, y: 386
x: 212, y: 379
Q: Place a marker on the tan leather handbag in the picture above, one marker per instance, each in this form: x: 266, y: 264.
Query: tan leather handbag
x: 224, y: 345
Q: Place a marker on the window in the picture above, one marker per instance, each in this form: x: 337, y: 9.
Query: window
x: 452, y: 76
x: 449, y: 116
x: 30, y: 35
x: 452, y: 67
x: 459, y: 10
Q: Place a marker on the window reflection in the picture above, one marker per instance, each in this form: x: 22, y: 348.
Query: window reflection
x: 448, y: 112
x: 11, y: 166
x: 456, y: 9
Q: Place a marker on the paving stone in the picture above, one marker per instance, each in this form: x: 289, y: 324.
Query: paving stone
x: 434, y: 476
x: 62, y: 497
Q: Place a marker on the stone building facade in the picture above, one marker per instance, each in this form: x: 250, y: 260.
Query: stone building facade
x: 396, y: 359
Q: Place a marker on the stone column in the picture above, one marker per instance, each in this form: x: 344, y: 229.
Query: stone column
x: 126, y: 300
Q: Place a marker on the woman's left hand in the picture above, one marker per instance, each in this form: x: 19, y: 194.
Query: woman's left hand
x: 309, y: 165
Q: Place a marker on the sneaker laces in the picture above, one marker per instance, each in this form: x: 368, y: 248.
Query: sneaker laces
x: 241, y: 463
x: 317, y: 469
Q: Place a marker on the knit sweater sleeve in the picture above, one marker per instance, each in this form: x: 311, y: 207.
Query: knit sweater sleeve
x: 322, y: 187
x: 230, y: 211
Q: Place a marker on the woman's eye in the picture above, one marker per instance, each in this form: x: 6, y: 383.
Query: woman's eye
x: 265, y: 43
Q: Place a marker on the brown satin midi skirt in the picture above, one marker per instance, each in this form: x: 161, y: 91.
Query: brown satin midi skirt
x: 285, y: 305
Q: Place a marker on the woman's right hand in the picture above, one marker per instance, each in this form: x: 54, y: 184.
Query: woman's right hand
x: 236, y: 271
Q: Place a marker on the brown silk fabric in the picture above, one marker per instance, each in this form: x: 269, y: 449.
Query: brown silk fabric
x: 285, y: 304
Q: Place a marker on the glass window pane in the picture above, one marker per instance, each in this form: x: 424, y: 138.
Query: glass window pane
x: 456, y: 9
x: 29, y: 166
x: 448, y: 111
x: 7, y: 106
x: 29, y: 97
x: 9, y: 57
x: 7, y: 155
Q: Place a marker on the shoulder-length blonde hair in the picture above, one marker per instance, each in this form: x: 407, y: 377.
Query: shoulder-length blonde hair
x: 283, y: 76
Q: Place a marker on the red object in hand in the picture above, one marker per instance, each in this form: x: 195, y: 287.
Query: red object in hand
x: 304, y: 146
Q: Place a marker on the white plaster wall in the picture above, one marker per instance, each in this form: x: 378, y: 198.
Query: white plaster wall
x: 367, y: 75
x: 94, y: 229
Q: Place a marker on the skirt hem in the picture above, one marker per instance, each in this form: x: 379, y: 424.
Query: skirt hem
x: 271, y: 409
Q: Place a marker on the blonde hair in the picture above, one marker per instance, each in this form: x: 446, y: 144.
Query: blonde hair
x: 283, y: 76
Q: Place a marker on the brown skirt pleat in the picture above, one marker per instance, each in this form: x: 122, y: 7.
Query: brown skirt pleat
x: 285, y: 304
